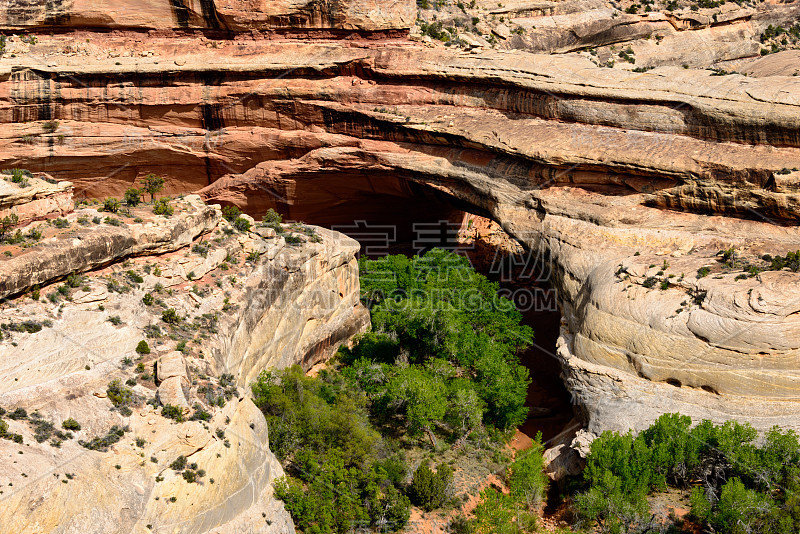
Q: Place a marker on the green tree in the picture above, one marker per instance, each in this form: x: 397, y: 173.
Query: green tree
x: 7, y: 223
x: 71, y: 424
x: 320, y: 429
x: 152, y: 184
x: 430, y: 490
x: 421, y: 396
x: 494, y: 514
x: 305, y: 413
x: 675, y: 452
x: 231, y: 213
x: 527, y: 479
x: 272, y: 217
x: 465, y: 407
x: 437, y: 306
x: 133, y: 197
x: 331, y: 497
x: 111, y: 205
x: 503, y: 385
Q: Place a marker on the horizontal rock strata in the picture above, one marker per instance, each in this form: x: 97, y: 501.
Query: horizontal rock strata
x: 220, y: 15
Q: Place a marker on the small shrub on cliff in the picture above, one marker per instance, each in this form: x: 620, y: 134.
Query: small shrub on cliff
x: 7, y: 223
x: 200, y: 414
x: 133, y: 197
x: 162, y: 207
x: 29, y: 326
x: 231, y: 213
x: 430, y: 490
x: 170, y: 316
x: 152, y: 184
x: 173, y: 412
x: 179, y: 464
x: 294, y: 239
x: 790, y: 261
x: 50, y: 126
x: 60, y: 223
x: 148, y: 299
x: 20, y: 176
x: 111, y: 205
x: 42, y: 430
x: 272, y: 217
x: 199, y: 248
x: 114, y: 434
x: 19, y: 414
x: 143, y: 347
x: 649, y: 282
x: 120, y: 396
x: 241, y: 224
x: 34, y: 234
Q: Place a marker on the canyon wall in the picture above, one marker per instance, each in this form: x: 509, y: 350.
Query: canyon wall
x: 218, y: 15
x: 242, y: 302
x: 624, y: 34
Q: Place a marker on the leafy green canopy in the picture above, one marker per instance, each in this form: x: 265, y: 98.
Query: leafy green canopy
x: 304, y: 413
x: 344, y: 475
x: 330, y: 496
x: 441, y: 361
x: 437, y: 308
x: 437, y: 305
x: 738, y: 486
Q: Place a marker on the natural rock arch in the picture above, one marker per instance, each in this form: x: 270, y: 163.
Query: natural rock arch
x: 605, y: 172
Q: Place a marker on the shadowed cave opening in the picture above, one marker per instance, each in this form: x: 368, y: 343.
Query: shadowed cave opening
x: 391, y: 215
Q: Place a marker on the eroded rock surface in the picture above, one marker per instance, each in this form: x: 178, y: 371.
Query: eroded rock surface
x: 213, y: 309
x: 32, y: 198
x: 227, y: 15
x: 626, y: 34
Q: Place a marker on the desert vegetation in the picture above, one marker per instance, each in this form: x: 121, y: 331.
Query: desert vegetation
x: 438, y: 373
x: 736, y: 482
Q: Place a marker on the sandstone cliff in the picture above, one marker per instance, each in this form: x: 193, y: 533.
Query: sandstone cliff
x: 241, y: 301
x: 627, y: 34
x: 219, y: 15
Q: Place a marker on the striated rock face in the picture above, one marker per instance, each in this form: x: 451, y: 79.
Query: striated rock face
x: 627, y: 183
x: 625, y: 34
x: 34, y: 198
x: 85, y: 249
x: 242, y: 303
x: 227, y: 15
